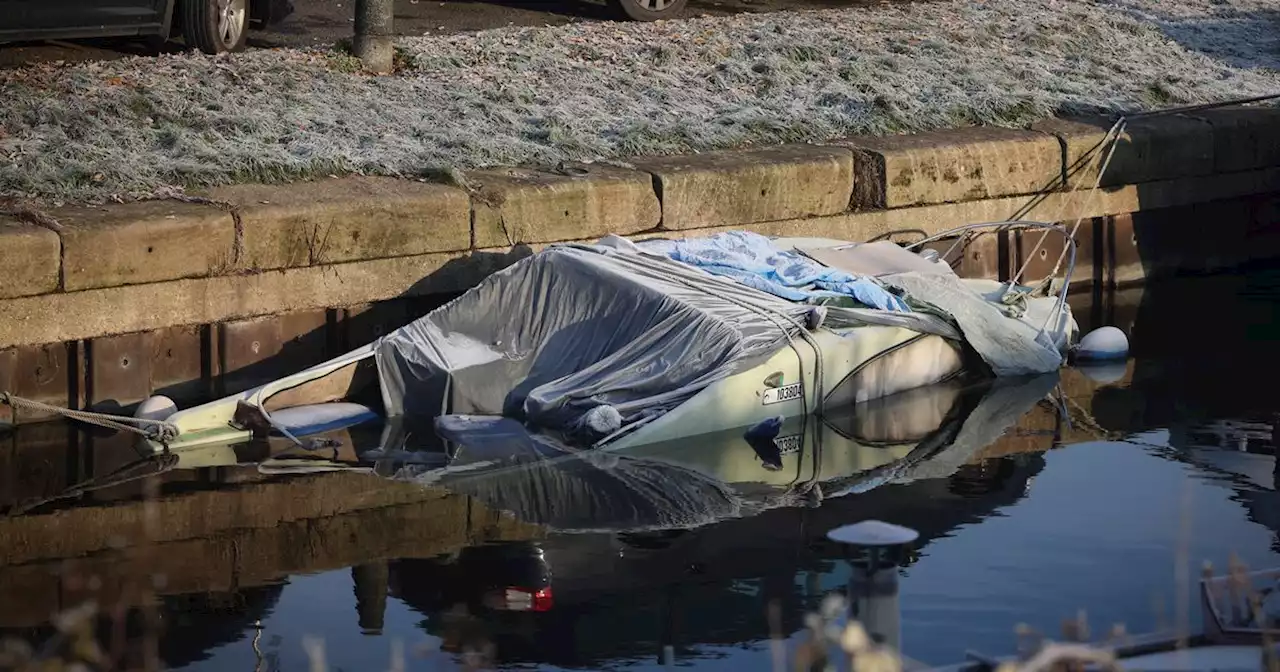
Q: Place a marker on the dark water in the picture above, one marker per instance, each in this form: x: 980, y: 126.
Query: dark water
x: 1103, y: 495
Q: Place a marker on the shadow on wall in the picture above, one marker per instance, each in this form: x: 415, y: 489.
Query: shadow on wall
x: 1241, y: 38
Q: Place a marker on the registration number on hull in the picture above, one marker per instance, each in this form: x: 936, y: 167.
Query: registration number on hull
x: 777, y: 395
x: 788, y: 444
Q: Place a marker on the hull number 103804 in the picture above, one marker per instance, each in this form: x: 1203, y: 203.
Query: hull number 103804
x: 777, y: 395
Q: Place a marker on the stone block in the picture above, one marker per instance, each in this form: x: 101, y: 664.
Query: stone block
x: 119, y: 371
x: 179, y: 363
x: 116, y: 310
x: 30, y: 259
x: 124, y: 369
x: 347, y: 219
x: 515, y: 206
x: 1244, y: 138
x: 260, y: 350
x: 747, y: 187
x: 951, y: 166
x: 149, y: 241
x: 41, y: 373
x: 366, y: 323
x: 1150, y: 149
x: 984, y: 256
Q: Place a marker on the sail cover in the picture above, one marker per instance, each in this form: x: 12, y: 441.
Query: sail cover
x: 577, y: 327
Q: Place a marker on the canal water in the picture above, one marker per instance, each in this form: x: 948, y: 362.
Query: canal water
x: 1102, y: 490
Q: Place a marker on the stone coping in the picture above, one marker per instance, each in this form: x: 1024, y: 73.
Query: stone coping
x: 252, y: 250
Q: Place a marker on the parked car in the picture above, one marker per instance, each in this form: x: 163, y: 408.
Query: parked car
x: 212, y: 26
x: 648, y: 10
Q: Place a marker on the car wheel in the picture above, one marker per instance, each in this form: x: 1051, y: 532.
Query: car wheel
x: 648, y: 10
x: 215, y: 26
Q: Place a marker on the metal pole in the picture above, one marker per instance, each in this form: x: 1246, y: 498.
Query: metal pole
x: 873, y: 583
x: 373, y: 34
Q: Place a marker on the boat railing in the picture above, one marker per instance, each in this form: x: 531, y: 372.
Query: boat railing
x: 963, y: 234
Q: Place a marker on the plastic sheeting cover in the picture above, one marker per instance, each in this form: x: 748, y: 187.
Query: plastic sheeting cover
x: 753, y: 260
x: 575, y: 327
x: 584, y: 339
x: 1010, y: 346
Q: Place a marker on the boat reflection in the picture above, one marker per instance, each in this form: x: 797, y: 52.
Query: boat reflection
x: 927, y: 432
x: 634, y: 568
x: 679, y: 544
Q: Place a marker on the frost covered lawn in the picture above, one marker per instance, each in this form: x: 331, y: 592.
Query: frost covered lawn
x: 591, y: 91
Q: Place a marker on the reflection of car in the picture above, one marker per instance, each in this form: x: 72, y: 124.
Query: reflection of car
x: 512, y: 576
x: 212, y: 26
x: 493, y: 593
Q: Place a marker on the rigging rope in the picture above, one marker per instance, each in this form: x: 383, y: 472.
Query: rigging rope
x: 156, y: 430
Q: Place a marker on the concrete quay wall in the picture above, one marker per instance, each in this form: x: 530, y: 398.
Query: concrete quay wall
x: 102, y: 306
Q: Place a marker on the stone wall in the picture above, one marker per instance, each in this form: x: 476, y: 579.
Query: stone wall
x: 105, y: 305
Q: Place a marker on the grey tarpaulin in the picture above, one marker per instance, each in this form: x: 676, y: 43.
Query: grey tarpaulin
x: 575, y: 327
x: 578, y: 329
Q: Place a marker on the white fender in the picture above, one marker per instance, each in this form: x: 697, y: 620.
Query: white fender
x: 1103, y: 344
x: 158, y: 407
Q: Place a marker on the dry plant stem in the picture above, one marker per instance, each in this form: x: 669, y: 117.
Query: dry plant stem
x: 777, y: 640
x: 1054, y: 654
x: 1182, y: 567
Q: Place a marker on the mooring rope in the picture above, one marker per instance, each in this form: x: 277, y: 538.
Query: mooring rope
x: 1112, y: 138
x: 156, y: 430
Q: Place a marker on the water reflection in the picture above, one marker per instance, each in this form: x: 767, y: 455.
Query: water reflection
x: 925, y: 433
x: 1034, y: 498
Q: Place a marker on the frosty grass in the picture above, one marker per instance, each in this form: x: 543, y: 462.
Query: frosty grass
x: 593, y: 91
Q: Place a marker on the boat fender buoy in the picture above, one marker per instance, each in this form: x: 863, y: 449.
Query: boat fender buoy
x: 602, y: 420
x: 158, y: 407
x: 1103, y: 344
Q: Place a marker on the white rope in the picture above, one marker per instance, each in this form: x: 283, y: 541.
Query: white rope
x: 1112, y: 137
x: 157, y: 430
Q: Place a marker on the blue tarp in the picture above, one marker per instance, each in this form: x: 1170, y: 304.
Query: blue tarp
x: 753, y: 260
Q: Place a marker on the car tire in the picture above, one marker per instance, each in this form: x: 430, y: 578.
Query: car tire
x: 215, y: 26
x: 648, y: 10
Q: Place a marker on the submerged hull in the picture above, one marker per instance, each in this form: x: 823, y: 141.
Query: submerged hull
x: 667, y: 350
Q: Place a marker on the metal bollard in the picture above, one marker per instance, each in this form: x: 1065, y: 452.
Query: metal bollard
x: 874, y: 550
x: 374, y: 30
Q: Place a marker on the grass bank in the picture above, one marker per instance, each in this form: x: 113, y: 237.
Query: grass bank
x: 594, y: 91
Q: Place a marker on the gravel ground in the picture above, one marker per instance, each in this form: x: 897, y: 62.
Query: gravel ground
x: 600, y: 90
